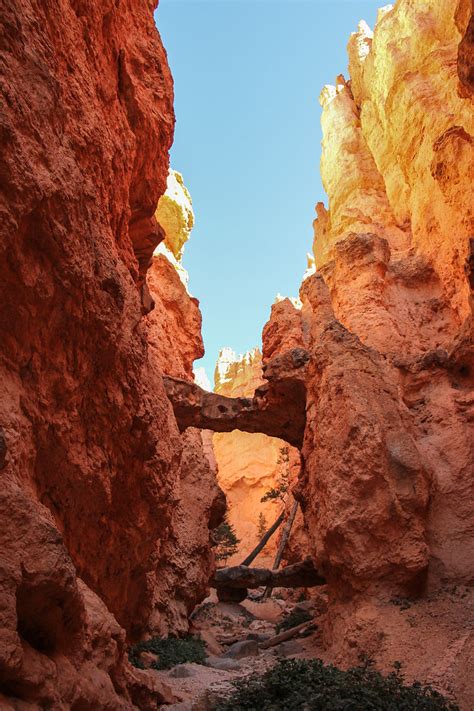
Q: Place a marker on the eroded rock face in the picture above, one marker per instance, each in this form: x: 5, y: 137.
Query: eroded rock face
x: 387, y: 323
x: 366, y: 489
x: 277, y: 408
x: 393, y: 245
x: 397, y: 164
x: 465, y: 22
x: 90, y: 447
x: 185, y: 560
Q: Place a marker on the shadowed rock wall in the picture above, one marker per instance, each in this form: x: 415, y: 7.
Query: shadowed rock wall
x: 90, y: 449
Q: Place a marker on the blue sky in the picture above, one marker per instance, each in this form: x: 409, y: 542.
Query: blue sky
x: 247, y: 76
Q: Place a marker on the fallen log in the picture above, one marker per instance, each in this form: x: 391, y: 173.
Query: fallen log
x: 300, y: 575
x: 283, y: 636
x: 264, y: 540
x: 281, y: 547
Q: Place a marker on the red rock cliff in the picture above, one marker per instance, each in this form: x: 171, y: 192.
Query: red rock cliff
x: 186, y: 560
x: 387, y: 488
x: 89, y: 449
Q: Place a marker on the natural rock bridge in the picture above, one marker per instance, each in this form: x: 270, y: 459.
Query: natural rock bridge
x: 277, y: 409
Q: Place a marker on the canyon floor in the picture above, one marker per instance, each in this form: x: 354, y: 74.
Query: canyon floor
x: 234, y: 634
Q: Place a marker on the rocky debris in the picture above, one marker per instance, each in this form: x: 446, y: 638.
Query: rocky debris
x: 223, y: 663
x: 302, y: 574
x: 258, y: 626
x: 245, y: 648
x: 213, y: 681
x: 266, y: 610
x: 277, y: 408
x: 209, y: 638
x: 289, y: 648
x: 184, y: 671
x: 201, y: 690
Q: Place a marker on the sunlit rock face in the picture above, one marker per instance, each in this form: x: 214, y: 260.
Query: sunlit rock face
x: 89, y: 446
x: 174, y: 324
x: 185, y: 559
x: 387, y: 484
x: 248, y: 464
x: 397, y: 164
x: 397, y: 145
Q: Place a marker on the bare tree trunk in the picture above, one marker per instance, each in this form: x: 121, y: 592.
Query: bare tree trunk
x: 283, y: 636
x: 284, y: 540
x: 298, y: 575
x: 263, y: 541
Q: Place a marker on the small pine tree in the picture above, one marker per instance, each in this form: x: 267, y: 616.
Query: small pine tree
x: 262, y: 525
x: 281, y: 488
x: 226, y: 542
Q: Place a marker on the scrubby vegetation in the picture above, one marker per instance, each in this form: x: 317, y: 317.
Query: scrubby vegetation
x: 293, y: 619
x: 302, y: 685
x: 169, y: 652
x: 262, y: 525
x: 283, y: 479
x: 225, y: 541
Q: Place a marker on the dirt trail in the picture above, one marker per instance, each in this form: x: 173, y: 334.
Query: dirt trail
x: 234, y: 634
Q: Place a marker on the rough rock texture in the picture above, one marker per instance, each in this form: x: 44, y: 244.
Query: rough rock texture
x: 387, y: 487
x: 186, y: 560
x: 174, y: 324
x: 249, y: 465
x: 465, y: 23
x: 365, y: 488
x: 393, y: 246
x: 277, y: 408
x: 175, y: 215
x: 397, y: 143
x: 89, y: 449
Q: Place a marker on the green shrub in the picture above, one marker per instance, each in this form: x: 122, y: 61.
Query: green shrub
x: 293, y: 619
x: 309, y: 685
x: 225, y: 541
x: 169, y: 651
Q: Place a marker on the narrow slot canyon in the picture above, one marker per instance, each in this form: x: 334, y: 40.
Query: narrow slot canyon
x: 300, y: 535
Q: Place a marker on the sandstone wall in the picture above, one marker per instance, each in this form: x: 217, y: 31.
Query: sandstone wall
x: 185, y: 560
x: 386, y: 319
x: 397, y: 160
x: 90, y: 450
x: 397, y: 143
